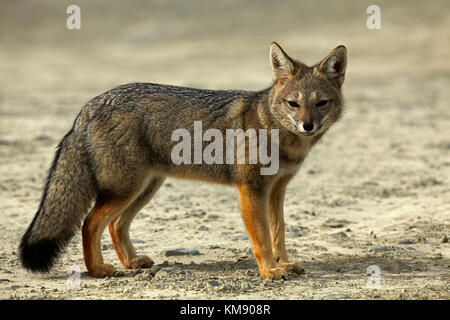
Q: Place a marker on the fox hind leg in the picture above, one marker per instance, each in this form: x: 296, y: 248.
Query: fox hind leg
x: 104, y: 210
x: 119, y: 228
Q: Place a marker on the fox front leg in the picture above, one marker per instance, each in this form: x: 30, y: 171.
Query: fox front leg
x: 277, y: 228
x: 254, y: 212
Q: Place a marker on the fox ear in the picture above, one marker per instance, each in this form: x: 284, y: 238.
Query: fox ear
x: 333, y: 66
x: 283, y: 66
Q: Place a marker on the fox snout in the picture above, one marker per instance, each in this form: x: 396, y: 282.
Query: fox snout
x: 305, y: 123
x: 305, y: 127
x: 308, y: 127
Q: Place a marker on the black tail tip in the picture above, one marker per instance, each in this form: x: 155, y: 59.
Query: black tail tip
x: 38, y: 256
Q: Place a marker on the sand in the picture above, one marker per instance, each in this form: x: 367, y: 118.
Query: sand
x: 374, y: 194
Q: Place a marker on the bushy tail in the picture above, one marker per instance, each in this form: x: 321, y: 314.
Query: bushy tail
x: 68, y: 193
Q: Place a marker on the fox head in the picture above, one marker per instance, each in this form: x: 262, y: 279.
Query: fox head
x: 307, y: 100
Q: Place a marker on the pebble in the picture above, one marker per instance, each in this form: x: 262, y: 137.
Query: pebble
x: 377, y: 248
x: 137, y: 241
x: 180, y: 252
x: 164, y: 264
x: 294, y: 234
x: 335, y: 296
x: 154, y: 269
x: 339, y: 235
x: 213, y: 283
x: 119, y: 273
x: 195, y: 213
x: 333, y: 224
x: 405, y: 242
x: 14, y: 287
x: 370, y: 183
x: 203, y: 228
x: 424, y: 228
x: 107, y: 245
x: 212, y: 216
x: 173, y: 270
x: 43, y: 137
x: 240, y: 237
x: 444, y: 239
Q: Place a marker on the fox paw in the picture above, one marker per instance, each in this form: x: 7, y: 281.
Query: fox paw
x: 276, y: 274
x: 141, y: 262
x: 103, y: 270
x: 291, y: 266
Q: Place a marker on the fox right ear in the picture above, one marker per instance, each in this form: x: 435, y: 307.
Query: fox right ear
x: 283, y: 66
x: 333, y: 66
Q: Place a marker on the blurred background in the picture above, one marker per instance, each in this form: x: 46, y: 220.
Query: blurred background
x: 384, y: 167
x: 211, y: 43
x: 207, y: 44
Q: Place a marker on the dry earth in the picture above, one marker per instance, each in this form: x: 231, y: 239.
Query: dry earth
x: 375, y: 191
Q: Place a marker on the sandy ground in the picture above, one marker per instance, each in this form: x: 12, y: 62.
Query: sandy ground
x: 374, y: 192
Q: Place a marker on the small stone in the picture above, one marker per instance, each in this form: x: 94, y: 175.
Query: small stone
x: 137, y: 241
x: 339, y: 235
x: 173, y: 270
x: 195, y: 213
x: 180, y: 252
x: 107, y: 245
x: 405, y: 242
x: 214, y: 246
x: 333, y: 224
x: 165, y: 264
x: 240, y: 237
x: 377, y: 248
x: 203, y: 228
x: 14, y: 287
x: 444, y: 239
x: 294, y: 234
x: 119, y: 273
x: 336, y: 296
x: 43, y: 137
x: 154, y: 269
x: 424, y: 228
x: 213, y: 283
x: 212, y: 216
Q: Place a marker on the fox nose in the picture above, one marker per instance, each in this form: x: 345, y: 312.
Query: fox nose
x: 307, y: 126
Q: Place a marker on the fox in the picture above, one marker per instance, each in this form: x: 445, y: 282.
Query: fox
x: 118, y: 153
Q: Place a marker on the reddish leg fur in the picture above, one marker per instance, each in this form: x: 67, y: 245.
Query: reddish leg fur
x: 254, y: 212
x: 277, y: 228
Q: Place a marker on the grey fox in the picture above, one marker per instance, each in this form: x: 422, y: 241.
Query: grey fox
x: 118, y: 154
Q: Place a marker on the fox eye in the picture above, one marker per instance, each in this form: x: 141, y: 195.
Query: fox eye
x: 293, y: 104
x: 321, y: 103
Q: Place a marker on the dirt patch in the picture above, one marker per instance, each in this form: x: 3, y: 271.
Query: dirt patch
x: 374, y: 192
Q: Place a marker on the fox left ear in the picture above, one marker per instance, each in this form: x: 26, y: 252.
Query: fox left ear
x: 333, y: 66
x: 282, y: 65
